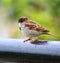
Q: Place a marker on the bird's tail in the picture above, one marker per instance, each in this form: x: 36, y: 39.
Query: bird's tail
x: 52, y: 35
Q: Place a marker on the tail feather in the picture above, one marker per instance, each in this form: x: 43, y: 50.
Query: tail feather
x: 45, y: 31
x: 48, y: 32
x: 52, y: 35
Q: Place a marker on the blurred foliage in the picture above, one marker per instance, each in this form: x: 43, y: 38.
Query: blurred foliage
x: 54, y: 7
x: 45, y: 12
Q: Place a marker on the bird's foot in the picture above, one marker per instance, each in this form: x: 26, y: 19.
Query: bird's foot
x: 34, y: 40
x: 27, y: 39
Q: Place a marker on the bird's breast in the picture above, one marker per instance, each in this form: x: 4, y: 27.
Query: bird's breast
x: 29, y: 32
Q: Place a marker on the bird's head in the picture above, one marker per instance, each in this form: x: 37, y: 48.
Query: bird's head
x: 22, y: 19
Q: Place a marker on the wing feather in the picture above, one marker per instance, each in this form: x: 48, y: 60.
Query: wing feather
x: 34, y: 26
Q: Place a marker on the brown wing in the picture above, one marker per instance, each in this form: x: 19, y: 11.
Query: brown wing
x: 34, y: 26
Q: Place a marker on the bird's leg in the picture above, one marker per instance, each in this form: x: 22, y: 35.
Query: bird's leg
x: 27, y: 39
x: 35, y: 40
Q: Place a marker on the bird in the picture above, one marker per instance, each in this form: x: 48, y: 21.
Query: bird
x: 32, y: 29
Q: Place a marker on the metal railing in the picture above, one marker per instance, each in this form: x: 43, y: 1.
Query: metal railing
x: 15, y: 50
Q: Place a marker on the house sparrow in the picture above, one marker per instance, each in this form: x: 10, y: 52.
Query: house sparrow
x: 31, y: 29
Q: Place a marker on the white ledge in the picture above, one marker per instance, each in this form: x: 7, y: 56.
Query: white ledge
x: 17, y: 45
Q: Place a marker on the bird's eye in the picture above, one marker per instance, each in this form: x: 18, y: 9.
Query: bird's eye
x: 20, y: 20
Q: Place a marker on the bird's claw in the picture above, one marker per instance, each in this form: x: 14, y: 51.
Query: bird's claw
x: 35, y: 40
x: 27, y: 39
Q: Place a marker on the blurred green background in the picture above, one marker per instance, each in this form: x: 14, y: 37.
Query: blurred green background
x: 44, y: 12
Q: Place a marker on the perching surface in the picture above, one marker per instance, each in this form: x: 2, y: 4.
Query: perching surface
x: 42, y: 47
